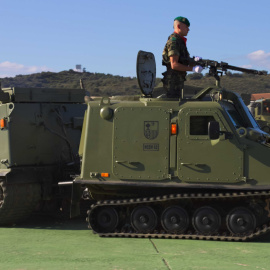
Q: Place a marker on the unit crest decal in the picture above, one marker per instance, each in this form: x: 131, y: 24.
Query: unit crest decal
x: 151, y: 129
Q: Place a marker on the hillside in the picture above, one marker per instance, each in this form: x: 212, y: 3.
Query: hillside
x: 238, y: 82
x: 99, y: 84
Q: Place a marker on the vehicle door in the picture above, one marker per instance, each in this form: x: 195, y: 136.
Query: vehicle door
x: 201, y: 159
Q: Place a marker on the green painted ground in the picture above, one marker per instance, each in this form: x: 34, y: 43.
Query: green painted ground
x: 47, y: 244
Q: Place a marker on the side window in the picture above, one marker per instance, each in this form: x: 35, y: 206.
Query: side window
x: 199, y: 124
x: 258, y: 105
x: 266, y: 108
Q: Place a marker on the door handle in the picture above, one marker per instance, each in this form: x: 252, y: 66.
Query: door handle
x: 129, y: 162
x: 196, y: 164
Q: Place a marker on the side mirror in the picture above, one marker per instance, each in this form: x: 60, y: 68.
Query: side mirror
x: 213, y: 130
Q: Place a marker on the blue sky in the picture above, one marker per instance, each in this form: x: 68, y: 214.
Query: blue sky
x: 104, y: 36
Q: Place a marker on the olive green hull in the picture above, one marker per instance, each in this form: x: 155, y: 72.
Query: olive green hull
x: 117, y: 141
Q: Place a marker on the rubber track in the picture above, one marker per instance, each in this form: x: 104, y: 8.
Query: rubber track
x: 191, y: 235
x: 19, y: 201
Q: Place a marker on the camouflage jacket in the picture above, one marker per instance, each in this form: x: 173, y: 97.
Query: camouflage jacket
x: 175, y: 46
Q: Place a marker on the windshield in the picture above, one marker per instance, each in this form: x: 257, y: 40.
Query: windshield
x: 237, y: 119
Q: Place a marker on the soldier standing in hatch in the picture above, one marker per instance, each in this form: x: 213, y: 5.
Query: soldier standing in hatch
x: 175, y: 48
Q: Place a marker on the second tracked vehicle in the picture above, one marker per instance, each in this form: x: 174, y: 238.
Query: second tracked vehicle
x: 193, y: 168
x: 261, y: 111
x: 40, y: 131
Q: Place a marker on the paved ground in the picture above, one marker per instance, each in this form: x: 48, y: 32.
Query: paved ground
x: 45, y: 243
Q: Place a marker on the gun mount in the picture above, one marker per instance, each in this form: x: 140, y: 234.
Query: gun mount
x: 216, y: 69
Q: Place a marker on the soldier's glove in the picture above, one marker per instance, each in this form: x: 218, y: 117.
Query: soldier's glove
x: 197, y: 69
x: 197, y: 58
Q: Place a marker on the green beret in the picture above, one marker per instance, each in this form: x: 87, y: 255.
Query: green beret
x: 183, y: 20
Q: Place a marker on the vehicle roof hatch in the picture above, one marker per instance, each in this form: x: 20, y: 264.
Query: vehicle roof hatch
x: 146, y: 72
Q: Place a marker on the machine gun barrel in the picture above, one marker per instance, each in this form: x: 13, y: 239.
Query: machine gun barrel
x: 246, y: 70
x: 222, y: 66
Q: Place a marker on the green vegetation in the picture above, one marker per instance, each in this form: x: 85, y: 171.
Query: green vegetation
x: 99, y: 84
x: 238, y: 82
x: 46, y: 243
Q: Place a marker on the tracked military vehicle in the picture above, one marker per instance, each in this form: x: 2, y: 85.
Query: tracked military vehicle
x: 40, y: 134
x: 193, y: 168
x: 261, y: 112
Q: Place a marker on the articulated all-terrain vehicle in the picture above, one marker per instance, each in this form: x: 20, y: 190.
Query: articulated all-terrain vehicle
x: 193, y: 168
x: 40, y: 135
x: 261, y: 112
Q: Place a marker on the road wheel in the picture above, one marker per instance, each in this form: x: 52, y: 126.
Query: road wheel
x: 175, y: 219
x: 143, y: 219
x: 241, y: 220
x: 106, y: 219
x: 206, y: 220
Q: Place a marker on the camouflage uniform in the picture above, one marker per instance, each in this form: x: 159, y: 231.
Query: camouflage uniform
x: 173, y: 81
